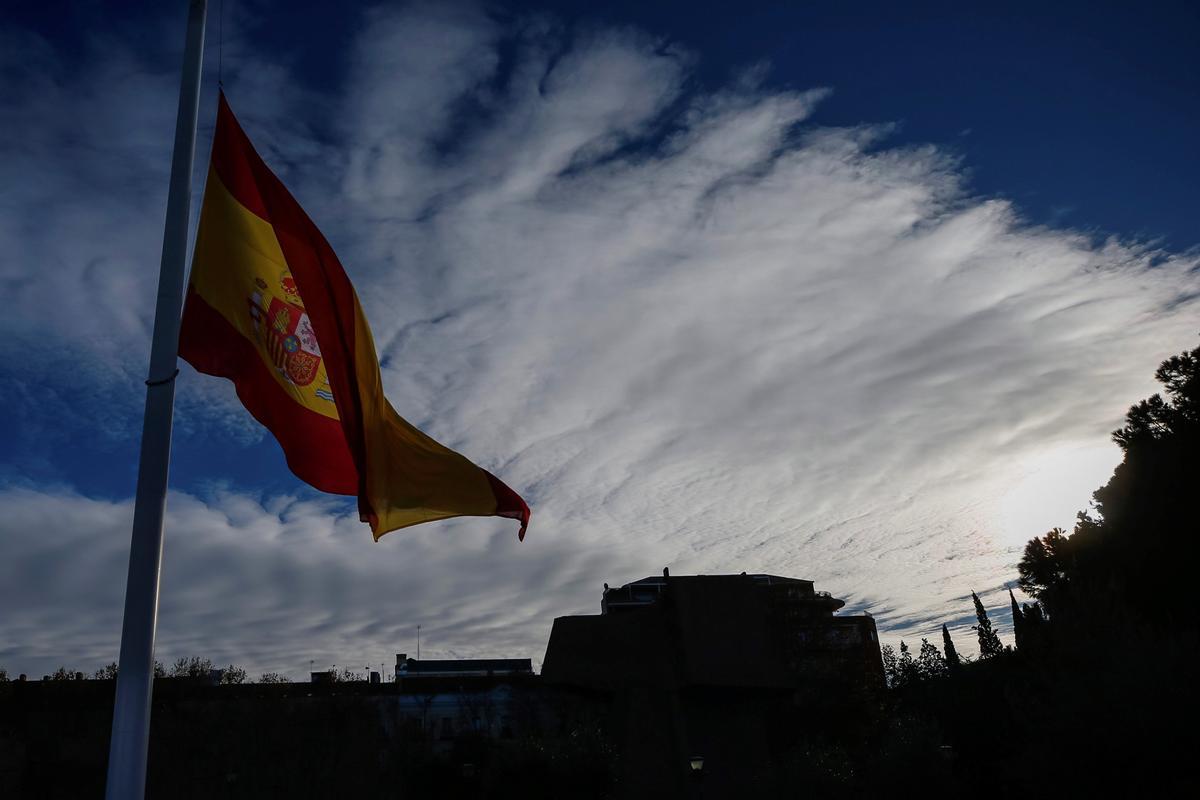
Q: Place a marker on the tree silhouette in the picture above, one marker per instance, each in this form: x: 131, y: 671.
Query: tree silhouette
x: 202, y: 668
x: 64, y: 674
x: 1032, y: 626
x: 906, y: 667
x: 1141, y: 530
x: 1143, y: 533
x: 233, y: 675
x: 989, y: 642
x: 346, y: 675
x: 194, y: 667
x: 930, y: 663
x: 891, y: 672
x: 1042, y: 571
x: 1018, y: 622
x: 952, y: 662
x: 1155, y: 419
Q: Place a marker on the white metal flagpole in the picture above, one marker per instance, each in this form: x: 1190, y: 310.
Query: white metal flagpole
x: 131, y: 709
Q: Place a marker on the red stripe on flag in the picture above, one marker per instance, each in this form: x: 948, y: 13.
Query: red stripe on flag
x: 509, y: 503
x: 315, y: 445
x: 324, y: 288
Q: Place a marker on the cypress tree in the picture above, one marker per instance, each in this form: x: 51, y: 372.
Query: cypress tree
x: 1018, y: 621
x: 989, y: 642
x: 1032, y: 625
x: 906, y: 667
x: 951, y: 654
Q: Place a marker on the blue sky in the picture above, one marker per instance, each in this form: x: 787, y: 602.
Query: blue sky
x: 848, y: 294
x: 1083, y: 113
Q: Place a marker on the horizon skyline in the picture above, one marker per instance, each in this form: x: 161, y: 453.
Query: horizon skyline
x: 685, y: 308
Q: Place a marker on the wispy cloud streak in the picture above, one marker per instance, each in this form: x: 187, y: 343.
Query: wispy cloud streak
x: 697, y: 328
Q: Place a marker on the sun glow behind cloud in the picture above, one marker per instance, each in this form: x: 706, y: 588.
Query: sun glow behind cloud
x: 694, y: 328
x: 1051, y: 487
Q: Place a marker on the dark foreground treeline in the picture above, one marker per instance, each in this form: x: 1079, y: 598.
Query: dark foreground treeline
x: 299, y: 741
x: 1100, y: 695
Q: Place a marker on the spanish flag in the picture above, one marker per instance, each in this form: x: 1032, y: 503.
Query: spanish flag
x: 270, y: 307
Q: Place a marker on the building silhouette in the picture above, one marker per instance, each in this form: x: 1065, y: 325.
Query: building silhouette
x: 412, y: 668
x: 744, y: 630
x: 733, y: 669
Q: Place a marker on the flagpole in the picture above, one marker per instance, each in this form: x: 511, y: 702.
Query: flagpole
x: 131, y: 709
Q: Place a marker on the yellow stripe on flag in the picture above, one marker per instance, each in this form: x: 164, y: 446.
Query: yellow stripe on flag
x: 259, y: 297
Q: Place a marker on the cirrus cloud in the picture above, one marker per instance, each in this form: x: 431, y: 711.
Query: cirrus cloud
x: 697, y: 328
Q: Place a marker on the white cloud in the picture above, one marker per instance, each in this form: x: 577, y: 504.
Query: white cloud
x: 696, y: 329
x: 271, y: 585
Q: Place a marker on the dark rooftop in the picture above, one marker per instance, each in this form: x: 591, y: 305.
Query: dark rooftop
x: 411, y: 667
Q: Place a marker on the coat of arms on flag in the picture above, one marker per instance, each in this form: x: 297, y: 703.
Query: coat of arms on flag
x: 284, y: 330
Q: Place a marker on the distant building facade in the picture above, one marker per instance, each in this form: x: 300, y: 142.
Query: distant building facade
x: 735, y: 669
x: 761, y: 631
x: 445, y: 699
x: 407, y: 668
